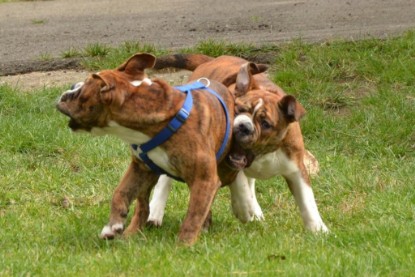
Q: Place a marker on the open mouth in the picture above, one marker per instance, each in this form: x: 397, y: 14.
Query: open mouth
x: 74, y: 125
x: 240, y: 158
x: 237, y: 162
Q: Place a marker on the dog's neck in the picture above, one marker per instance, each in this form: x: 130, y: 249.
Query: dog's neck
x: 128, y: 135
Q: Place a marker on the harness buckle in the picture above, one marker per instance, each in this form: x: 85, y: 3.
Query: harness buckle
x: 172, y: 128
x: 182, y: 115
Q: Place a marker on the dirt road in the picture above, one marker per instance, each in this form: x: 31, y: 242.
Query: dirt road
x: 31, y: 29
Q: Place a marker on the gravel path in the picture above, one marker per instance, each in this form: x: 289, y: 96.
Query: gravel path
x: 31, y: 29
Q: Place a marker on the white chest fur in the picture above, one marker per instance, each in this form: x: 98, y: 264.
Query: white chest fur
x: 157, y: 155
x: 270, y: 165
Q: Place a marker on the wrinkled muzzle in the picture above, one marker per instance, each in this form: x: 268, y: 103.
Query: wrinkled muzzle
x: 68, y: 96
x: 63, y: 105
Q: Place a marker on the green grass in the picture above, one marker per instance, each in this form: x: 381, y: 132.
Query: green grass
x: 360, y: 101
x: 71, y: 53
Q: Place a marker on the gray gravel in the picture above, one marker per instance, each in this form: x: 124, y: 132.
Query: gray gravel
x: 31, y: 29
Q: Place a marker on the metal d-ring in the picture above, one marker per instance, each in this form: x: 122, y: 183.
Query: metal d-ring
x: 204, y: 79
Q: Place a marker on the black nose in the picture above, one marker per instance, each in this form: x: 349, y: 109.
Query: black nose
x: 244, y: 129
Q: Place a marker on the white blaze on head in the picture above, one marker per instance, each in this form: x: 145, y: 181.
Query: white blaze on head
x: 74, y: 88
x: 258, y: 106
x: 246, y: 119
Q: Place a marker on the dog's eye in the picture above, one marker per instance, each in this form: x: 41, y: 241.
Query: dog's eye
x: 265, y: 124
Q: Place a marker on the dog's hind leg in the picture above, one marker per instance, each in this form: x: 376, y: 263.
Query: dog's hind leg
x: 159, y: 200
x: 201, y: 198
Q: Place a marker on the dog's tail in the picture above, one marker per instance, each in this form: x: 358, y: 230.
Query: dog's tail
x: 181, y: 61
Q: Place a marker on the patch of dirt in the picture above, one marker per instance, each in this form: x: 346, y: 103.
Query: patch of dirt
x: 61, y: 78
x: 32, y: 29
x: 26, y: 66
x: 40, y: 80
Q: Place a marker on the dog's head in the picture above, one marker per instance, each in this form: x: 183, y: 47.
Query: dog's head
x: 262, y: 119
x: 91, y: 103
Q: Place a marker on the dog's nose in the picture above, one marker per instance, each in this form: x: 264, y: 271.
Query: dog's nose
x: 244, y: 129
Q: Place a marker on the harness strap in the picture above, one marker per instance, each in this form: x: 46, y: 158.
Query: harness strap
x: 172, y: 127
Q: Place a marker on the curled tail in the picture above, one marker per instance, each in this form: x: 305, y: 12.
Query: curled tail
x: 181, y: 61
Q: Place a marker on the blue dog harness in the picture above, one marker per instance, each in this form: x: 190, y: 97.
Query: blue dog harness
x: 175, y: 124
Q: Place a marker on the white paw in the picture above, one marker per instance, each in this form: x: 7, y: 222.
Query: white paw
x: 317, y: 227
x: 258, y: 216
x: 245, y: 213
x: 154, y: 221
x: 156, y: 215
x: 109, y: 232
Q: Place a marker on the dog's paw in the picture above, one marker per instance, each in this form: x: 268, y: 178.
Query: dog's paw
x: 154, y: 223
x: 245, y: 213
x: 317, y: 227
x: 258, y: 214
x: 156, y: 215
x: 110, y: 231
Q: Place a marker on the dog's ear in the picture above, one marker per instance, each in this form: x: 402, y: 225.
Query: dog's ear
x: 259, y: 68
x: 291, y: 109
x: 136, y: 64
x: 244, y: 80
x: 107, y: 91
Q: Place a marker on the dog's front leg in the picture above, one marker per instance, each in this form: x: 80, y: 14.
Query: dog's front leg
x: 300, y: 187
x: 159, y: 200
x: 125, y: 192
x: 142, y: 208
x: 258, y: 214
x: 202, y: 194
x: 244, y: 203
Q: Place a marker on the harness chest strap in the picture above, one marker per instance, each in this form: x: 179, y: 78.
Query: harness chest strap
x: 175, y: 124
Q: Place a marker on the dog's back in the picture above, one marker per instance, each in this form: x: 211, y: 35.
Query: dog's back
x: 223, y: 69
x: 181, y: 61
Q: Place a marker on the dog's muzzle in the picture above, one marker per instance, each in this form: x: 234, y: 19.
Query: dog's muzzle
x: 243, y: 128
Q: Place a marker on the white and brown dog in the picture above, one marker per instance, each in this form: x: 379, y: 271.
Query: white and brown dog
x: 124, y: 103
x: 267, y: 135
